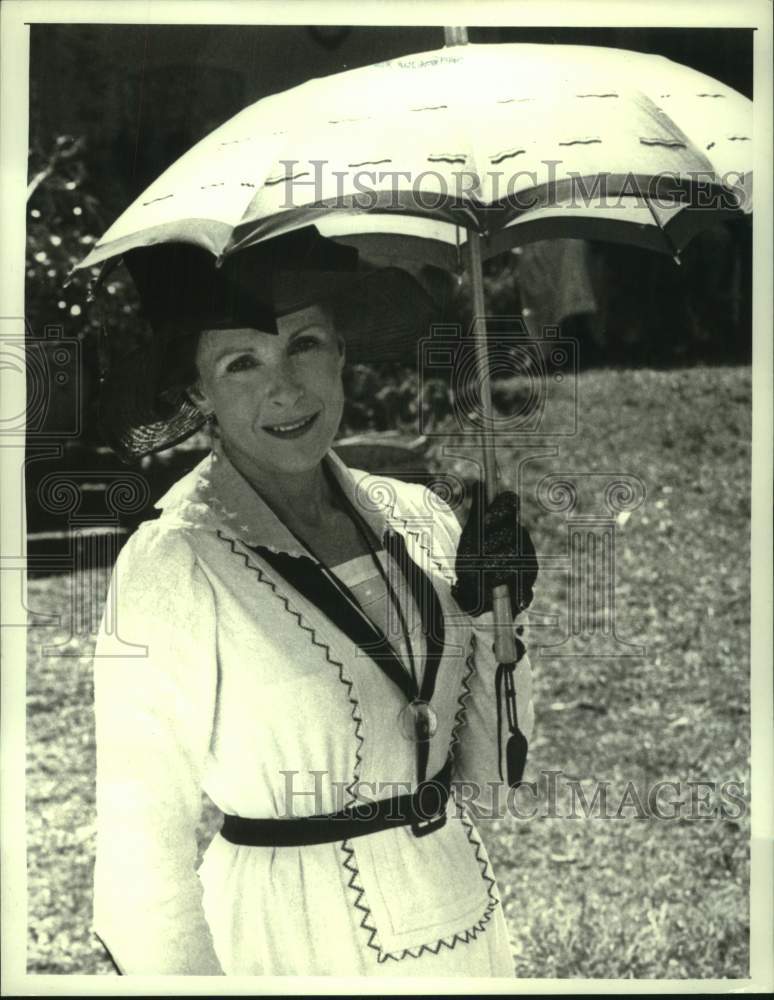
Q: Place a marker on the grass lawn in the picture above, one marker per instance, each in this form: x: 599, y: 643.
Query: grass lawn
x: 634, y: 896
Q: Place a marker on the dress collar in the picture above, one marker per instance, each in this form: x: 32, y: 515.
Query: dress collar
x: 216, y: 495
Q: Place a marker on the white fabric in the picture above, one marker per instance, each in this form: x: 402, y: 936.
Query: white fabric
x: 366, y: 583
x: 212, y: 673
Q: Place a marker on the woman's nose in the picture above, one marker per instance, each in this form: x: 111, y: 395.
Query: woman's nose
x: 285, y: 390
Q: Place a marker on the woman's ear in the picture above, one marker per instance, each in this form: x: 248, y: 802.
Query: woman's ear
x: 198, y: 397
x: 342, y: 351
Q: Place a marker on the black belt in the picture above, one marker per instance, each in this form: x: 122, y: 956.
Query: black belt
x: 424, y: 810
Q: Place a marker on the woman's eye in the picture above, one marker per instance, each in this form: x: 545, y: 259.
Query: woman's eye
x: 242, y: 363
x: 303, y: 344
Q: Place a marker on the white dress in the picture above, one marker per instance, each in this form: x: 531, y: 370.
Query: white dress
x: 212, y: 672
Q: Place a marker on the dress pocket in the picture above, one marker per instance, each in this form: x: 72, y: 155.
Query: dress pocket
x: 422, y: 890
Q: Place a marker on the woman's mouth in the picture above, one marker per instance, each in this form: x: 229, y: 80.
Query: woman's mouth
x: 291, y: 429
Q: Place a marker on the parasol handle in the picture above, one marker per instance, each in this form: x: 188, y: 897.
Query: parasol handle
x: 504, y: 643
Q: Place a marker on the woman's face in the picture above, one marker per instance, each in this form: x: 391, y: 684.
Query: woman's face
x: 278, y: 398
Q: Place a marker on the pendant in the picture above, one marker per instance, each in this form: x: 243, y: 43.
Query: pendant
x: 418, y: 721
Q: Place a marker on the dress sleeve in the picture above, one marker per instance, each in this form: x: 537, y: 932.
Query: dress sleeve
x: 475, y: 745
x: 155, y: 678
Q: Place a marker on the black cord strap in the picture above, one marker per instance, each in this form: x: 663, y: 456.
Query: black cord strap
x: 516, y: 746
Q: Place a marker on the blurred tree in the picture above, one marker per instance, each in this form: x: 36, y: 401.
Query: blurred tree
x: 63, y: 220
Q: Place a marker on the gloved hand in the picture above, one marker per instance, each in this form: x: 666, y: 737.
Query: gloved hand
x: 479, y: 564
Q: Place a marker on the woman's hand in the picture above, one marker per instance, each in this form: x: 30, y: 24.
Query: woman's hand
x: 494, y: 548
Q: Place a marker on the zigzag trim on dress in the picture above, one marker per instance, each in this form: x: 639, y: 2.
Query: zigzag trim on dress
x: 346, y: 681
x: 486, y: 872
x: 460, y: 937
x: 351, y: 865
x: 462, y: 699
x: 418, y: 535
x: 444, y: 570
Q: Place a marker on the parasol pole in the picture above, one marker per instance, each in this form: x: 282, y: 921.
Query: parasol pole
x: 504, y: 644
x: 502, y: 612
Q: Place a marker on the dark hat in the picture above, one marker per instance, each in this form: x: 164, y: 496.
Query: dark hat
x: 183, y: 289
x: 380, y: 312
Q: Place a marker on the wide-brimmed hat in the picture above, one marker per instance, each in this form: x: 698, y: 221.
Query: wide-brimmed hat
x: 380, y: 312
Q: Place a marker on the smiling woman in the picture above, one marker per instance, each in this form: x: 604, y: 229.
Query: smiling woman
x: 269, y: 390
x: 298, y: 640
x: 279, y: 400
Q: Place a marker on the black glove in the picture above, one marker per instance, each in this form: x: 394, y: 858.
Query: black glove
x: 480, y: 568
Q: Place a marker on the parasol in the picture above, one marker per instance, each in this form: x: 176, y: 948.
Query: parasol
x: 516, y: 142
x: 451, y: 156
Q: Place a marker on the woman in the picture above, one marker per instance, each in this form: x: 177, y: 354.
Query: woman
x: 286, y: 637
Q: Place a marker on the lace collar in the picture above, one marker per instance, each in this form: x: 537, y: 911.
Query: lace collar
x: 215, y: 495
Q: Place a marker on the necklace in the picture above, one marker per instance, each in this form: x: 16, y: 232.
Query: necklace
x: 417, y: 719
